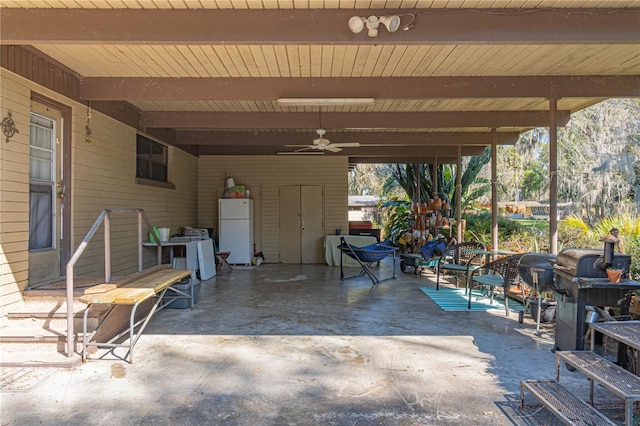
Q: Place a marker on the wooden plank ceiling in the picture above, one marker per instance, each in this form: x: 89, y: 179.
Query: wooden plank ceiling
x: 211, y: 72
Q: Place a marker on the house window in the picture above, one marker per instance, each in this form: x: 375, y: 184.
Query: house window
x: 152, y: 160
x: 42, y: 168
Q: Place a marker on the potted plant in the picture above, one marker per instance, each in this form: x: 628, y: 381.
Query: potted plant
x: 338, y: 230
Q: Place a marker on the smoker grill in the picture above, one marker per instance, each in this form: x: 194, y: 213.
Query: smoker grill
x: 540, y: 265
x: 581, y: 280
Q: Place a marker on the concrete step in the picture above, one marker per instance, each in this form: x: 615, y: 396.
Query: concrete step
x: 37, y: 338
x: 36, y: 358
x: 46, y: 304
x: 35, y: 334
x: 53, y: 321
x: 51, y: 314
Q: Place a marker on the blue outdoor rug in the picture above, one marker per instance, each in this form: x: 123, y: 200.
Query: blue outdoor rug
x: 454, y: 299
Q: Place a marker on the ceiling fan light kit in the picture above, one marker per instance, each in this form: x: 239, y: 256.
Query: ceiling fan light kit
x: 321, y: 144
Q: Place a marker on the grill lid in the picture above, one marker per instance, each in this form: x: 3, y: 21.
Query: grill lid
x: 540, y: 263
x: 586, y: 262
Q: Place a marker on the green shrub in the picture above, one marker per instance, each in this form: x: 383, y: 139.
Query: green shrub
x: 511, y: 234
x: 576, y: 232
x: 398, y: 218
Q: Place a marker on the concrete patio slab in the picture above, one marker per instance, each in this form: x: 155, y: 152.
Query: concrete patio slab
x: 291, y: 345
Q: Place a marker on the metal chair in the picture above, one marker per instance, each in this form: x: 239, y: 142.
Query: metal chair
x: 502, y: 273
x: 457, y: 260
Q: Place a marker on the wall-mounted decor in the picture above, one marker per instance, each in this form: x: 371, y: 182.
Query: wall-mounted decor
x: 87, y: 128
x: 8, y: 127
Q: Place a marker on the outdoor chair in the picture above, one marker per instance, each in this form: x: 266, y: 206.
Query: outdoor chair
x: 459, y: 261
x: 501, y: 273
x: 366, y: 256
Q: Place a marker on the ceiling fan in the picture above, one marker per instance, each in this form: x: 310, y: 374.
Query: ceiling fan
x: 322, y: 144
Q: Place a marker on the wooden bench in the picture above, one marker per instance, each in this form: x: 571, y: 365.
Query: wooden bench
x: 133, y: 293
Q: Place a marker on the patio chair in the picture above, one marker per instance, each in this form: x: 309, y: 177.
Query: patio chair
x: 459, y: 261
x: 501, y: 273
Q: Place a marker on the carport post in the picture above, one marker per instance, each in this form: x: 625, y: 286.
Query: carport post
x: 459, y: 235
x: 553, y: 175
x: 494, y: 188
x: 434, y: 177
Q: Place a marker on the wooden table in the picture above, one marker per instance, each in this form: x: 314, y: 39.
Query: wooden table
x: 624, y: 332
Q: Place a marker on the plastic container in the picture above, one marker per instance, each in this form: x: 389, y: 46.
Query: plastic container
x: 183, y: 303
x: 164, y: 234
x: 155, y: 233
x: 547, y: 312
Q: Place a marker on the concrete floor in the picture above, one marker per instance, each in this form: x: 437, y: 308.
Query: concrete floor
x: 291, y: 345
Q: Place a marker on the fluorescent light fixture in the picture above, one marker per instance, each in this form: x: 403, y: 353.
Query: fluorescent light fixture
x: 326, y: 101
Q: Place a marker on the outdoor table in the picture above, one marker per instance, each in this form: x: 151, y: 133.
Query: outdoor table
x: 190, y: 245
x: 489, y: 255
x: 625, y: 333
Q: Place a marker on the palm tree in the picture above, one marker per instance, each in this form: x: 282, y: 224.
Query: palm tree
x: 472, y: 187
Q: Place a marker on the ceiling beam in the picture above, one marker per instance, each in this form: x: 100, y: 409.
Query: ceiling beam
x: 370, y: 152
x: 418, y: 151
x: 346, y: 120
x: 402, y: 160
x: 272, y: 88
x: 329, y: 26
x: 279, y: 139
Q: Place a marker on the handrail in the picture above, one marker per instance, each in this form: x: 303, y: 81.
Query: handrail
x: 104, y: 216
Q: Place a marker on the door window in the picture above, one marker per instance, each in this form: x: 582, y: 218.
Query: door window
x: 41, y: 183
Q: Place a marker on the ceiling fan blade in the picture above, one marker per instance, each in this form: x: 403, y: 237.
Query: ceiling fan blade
x: 346, y: 145
x: 300, y: 153
x: 332, y: 148
x: 306, y: 148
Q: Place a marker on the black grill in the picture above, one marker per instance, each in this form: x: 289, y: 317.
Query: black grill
x: 539, y: 264
x: 581, y: 280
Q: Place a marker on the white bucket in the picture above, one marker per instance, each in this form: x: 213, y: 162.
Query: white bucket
x: 164, y: 234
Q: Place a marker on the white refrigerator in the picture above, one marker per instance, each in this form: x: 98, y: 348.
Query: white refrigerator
x: 235, y: 229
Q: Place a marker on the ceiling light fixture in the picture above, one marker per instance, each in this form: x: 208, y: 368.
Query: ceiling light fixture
x: 391, y: 22
x: 326, y: 101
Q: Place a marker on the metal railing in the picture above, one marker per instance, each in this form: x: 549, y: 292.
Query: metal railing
x: 105, y: 216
